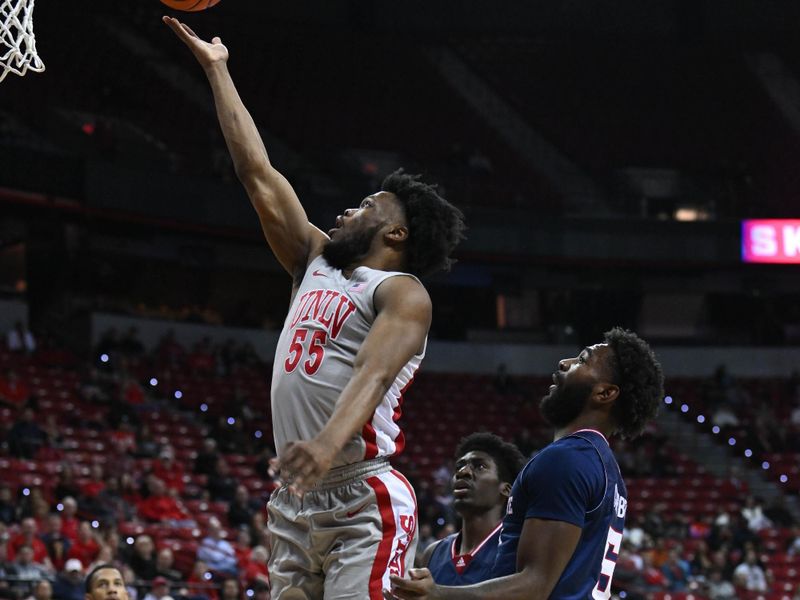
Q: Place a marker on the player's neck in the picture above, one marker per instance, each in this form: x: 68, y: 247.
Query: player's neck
x: 384, y: 259
x: 586, y: 421
x: 476, y: 528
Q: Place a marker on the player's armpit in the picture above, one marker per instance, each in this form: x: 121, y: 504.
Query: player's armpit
x: 422, y: 559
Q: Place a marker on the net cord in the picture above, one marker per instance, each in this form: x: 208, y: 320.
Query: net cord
x: 17, y: 40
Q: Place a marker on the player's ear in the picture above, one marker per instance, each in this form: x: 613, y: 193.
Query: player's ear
x: 505, y: 489
x: 397, y: 233
x: 605, y: 394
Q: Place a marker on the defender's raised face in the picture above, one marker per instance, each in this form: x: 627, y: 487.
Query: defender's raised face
x: 574, y: 382
x: 476, y: 483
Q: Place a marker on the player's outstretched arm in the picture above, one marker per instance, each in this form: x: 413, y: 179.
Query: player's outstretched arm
x: 545, y: 548
x: 397, y: 334
x: 284, y: 221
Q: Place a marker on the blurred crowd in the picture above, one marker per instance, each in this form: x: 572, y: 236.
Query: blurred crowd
x: 52, y: 535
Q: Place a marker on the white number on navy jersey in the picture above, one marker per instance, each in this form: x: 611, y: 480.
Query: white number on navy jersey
x: 602, y: 591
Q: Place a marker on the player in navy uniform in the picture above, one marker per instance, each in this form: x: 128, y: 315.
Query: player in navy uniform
x: 563, y: 530
x: 486, y: 466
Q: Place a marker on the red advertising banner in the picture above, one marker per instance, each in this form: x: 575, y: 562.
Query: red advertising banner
x: 771, y: 241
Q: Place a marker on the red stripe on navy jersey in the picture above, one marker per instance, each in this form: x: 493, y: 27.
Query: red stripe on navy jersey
x: 389, y: 529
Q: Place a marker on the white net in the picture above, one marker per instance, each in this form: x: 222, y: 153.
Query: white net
x: 17, y: 41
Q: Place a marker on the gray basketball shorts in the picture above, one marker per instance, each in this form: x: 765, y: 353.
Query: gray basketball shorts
x: 345, y: 537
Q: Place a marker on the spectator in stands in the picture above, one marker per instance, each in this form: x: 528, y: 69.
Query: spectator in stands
x: 105, y: 556
x: 128, y: 576
x: 261, y: 591
x: 8, y: 508
x: 57, y: 545
x: 241, y: 509
x: 793, y: 548
x: 25, y: 570
x: 69, y: 519
x: 206, y: 461
x: 753, y: 514
x: 27, y: 538
x: 266, y: 464
x: 255, y: 569
x: 749, y: 575
x: 146, y: 446
x: 229, y: 590
x: 69, y: 583
x: 20, y: 339
x: 160, y: 506
x: 113, y: 542
x: 96, y: 483
x: 217, y: 552
x: 65, y: 484
x: 131, y: 391
x: 142, y: 560
x: 85, y: 548
x: 26, y: 437
x: 719, y: 588
x: 109, y: 506
x: 42, y: 590
x: 159, y: 590
x: 198, y: 583
x: 221, y: 484
x: 701, y: 559
x: 94, y: 387
x: 14, y: 392
x: 676, y: 571
x: 168, y: 470
x: 243, y: 546
x: 164, y: 565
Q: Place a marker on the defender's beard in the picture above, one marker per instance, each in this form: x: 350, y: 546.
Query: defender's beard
x: 563, y: 405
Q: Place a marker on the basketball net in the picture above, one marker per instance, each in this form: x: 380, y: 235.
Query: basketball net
x: 17, y: 42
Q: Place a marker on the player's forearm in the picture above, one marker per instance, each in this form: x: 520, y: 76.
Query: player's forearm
x: 244, y: 142
x: 519, y: 586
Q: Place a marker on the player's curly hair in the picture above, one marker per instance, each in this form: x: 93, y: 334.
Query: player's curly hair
x: 638, y: 374
x: 506, y: 456
x: 434, y: 225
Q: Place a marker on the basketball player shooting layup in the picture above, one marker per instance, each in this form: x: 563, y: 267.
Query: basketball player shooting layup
x: 563, y: 529
x: 354, y: 336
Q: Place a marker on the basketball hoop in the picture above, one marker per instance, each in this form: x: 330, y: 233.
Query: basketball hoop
x: 17, y: 41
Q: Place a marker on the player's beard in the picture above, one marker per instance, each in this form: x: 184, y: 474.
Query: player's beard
x: 563, y: 405
x: 348, y: 249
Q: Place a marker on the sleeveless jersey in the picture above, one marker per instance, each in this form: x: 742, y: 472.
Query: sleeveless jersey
x: 575, y: 479
x: 328, y: 320
x: 449, y: 568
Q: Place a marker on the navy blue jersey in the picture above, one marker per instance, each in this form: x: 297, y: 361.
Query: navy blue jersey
x: 449, y: 568
x: 575, y: 479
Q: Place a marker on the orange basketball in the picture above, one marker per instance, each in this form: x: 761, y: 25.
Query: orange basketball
x: 190, y: 5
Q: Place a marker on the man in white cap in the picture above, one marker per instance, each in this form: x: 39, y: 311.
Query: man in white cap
x: 69, y: 583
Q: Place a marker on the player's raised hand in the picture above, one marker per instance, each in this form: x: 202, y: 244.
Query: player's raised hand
x: 304, y: 464
x: 206, y: 53
x: 420, y: 587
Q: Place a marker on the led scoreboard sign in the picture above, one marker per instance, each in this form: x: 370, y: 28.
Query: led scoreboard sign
x: 771, y: 241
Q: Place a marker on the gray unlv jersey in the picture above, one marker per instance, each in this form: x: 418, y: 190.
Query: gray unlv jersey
x: 328, y: 321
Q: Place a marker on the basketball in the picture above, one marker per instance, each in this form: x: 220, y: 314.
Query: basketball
x: 190, y: 5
